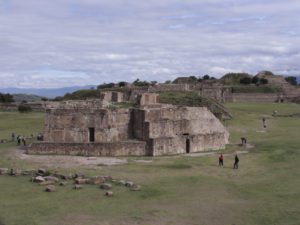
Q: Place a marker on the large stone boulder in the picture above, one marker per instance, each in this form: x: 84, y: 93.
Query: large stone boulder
x: 38, y: 179
x: 81, y: 181
x: 106, y: 186
x: 129, y: 184
x: 50, y: 188
x: 96, y: 180
x: 109, y: 194
x: 51, y: 178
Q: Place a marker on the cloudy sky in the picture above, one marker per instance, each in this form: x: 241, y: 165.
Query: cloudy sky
x: 56, y: 43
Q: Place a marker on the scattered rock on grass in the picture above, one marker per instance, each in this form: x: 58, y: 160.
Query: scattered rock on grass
x: 50, y: 188
x: 129, y: 184
x: 42, y: 171
x: 96, y: 180
x: 109, y: 194
x: 122, y: 182
x: 38, y: 179
x: 81, y: 181
x: 79, y: 175
x: 51, y: 178
x: 106, y: 186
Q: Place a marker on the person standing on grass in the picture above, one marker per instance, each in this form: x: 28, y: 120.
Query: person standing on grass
x: 19, y: 139
x: 221, y: 160
x: 264, y: 122
x: 236, y: 162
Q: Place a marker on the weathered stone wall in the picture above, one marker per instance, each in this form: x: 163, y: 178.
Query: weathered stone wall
x: 8, y: 106
x: 252, y: 97
x: 161, y: 129
x: 125, y: 148
x: 148, y: 99
x: 178, y: 144
x: 166, y: 129
x: 72, y: 125
x: 169, y: 87
x: 112, y: 96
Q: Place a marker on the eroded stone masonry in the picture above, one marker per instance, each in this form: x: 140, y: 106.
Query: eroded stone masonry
x: 92, y: 128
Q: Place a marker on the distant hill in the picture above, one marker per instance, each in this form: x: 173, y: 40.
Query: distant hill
x: 298, y: 79
x: 26, y: 97
x: 45, y: 92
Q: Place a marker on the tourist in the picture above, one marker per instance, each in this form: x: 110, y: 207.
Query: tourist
x: 19, y: 139
x: 264, y: 122
x: 236, y: 162
x: 221, y: 159
x: 23, y: 141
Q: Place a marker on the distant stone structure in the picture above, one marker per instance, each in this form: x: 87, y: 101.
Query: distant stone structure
x: 112, y: 96
x: 147, y: 99
x: 92, y: 128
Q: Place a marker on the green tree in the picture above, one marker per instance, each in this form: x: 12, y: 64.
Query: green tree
x: 292, y: 80
x: 206, y: 77
x: 24, y: 108
x: 246, y: 80
x: 6, y: 98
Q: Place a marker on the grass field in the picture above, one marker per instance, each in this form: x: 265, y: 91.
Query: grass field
x: 176, y: 190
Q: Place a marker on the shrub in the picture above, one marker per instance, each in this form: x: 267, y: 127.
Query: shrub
x: 24, y: 108
x: 206, y: 77
x: 6, y: 98
x: 292, y: 80
x: 138, y: 82
x: 102, y: 86
x: 246, y: 80
x: 255, y: 80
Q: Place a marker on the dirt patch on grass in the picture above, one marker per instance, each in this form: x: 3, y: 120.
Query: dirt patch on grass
x: 64, y: 161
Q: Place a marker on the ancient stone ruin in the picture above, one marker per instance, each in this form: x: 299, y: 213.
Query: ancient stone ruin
x: 91, y: 128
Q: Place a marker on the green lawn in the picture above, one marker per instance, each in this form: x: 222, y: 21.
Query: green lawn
x: 175, y: 190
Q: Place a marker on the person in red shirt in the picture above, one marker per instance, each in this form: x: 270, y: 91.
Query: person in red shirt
x: 221, y: 160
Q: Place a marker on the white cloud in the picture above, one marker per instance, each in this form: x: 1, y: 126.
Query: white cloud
x: 76, y: 42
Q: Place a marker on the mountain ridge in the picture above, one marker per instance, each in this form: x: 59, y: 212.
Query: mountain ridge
x: 45, y: 92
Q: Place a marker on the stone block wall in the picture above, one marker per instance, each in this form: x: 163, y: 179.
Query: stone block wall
x: 148, y: 99
x: 125, y: 148
x: 167, y: 129
x: 150, y: 130
x: 179, y: 145
x: 72, y: 125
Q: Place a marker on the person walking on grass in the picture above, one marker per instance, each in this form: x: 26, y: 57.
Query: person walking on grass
x: 264, y: 123
x: 23, y: 141
x: 19, y: 139
x: 221, y: 160
x: 236, y: 162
